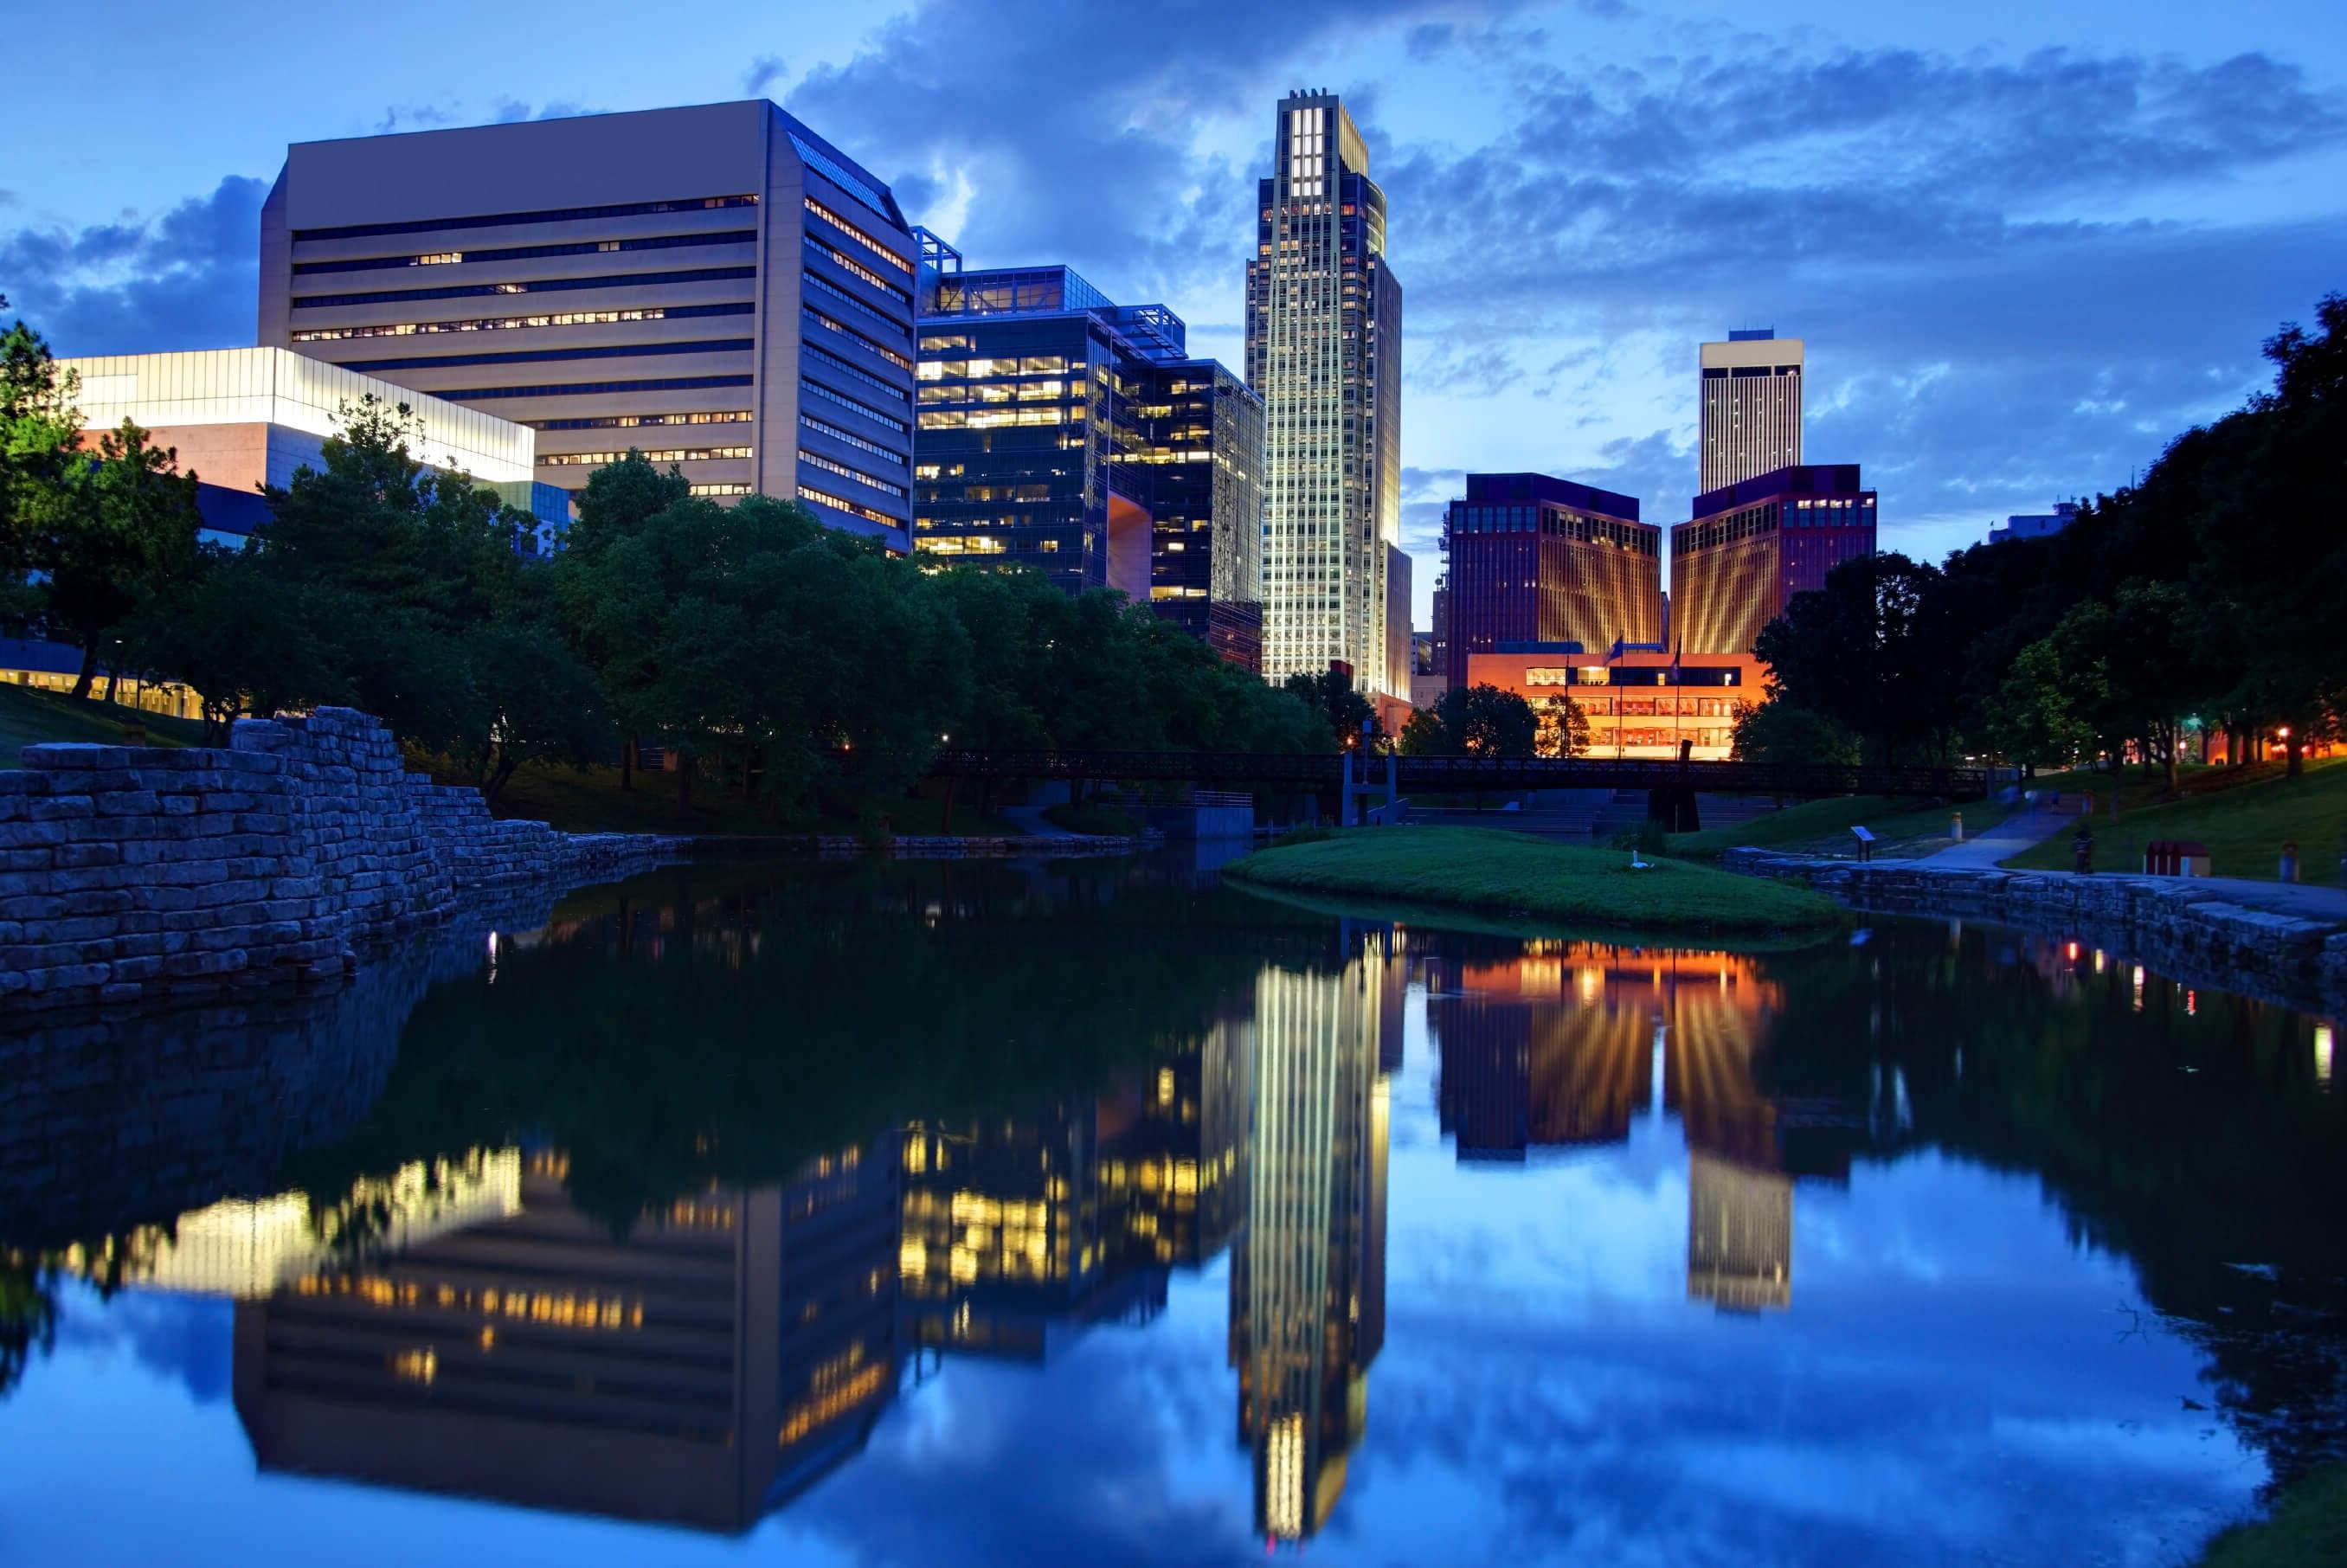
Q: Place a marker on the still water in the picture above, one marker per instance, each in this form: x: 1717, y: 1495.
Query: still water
x: 1096, y: 1214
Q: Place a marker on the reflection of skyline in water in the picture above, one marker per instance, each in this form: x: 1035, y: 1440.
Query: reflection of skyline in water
x: 471, y: 1326
x: 1566, y: 1044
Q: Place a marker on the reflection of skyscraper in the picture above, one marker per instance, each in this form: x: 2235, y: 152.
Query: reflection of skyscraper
x: 1553, y: 1046
x: 1739, y: 1234
x: 729, y: 1350
x: 1307, y: 1284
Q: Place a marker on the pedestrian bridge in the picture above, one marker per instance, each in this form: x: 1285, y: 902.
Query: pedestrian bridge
x: 1452, y: 775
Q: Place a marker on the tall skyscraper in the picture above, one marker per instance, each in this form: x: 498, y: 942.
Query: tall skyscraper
x: 1078, y: 437
x: 1324, y: 349
x: 718, y: 286
x: 1534, y: 559
x: 1751, y: 547
x: 1751, y: 406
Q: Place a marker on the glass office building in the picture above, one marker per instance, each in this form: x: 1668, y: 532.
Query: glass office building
x: 1530, y: 558
x: 717, y: 286
x: 1323, y: 348
x: 1750, y: 548
x: 1069, y: 435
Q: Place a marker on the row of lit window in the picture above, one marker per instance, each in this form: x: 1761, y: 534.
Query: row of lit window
x: 834, y: 466
x: 584, y: 388
x: 1001, y: 392
x: 632, y: 421
x: 825, y: 497
x: 715, y: 489
x: 506, y: 219
x: 530, y: 356
x: 535, y: 286
x: 998, y: 364
x: 857, y: 338
x: 821, y: 427
x: 665, y: 455
x: 844, y: 401
x: 825, y: 286
x: 528, y: 253
x: 994, y: 418
x: 841, y: 259
x: 510, y: 324
x: 832, y: 362
x: 859, y: 236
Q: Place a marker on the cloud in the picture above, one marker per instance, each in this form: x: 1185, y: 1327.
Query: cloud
x: 412, y: 117
x: 509, y: 110
x: 765, y: 71
x: 186, y: 279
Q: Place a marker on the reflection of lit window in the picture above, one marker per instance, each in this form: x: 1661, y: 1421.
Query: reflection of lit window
x: 415, y: 1366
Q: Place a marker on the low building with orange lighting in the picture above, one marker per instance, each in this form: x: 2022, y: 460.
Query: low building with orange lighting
x: 1642, y: 703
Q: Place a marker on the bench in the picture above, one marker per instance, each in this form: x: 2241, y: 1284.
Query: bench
x: 2176, y: 857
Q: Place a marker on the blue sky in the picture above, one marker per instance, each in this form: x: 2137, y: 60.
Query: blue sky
x: 2028, y: 243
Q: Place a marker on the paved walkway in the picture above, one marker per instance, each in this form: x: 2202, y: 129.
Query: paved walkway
x: 2024, y: 829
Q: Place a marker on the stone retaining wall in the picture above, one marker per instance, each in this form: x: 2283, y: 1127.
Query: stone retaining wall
x: 2178, y: 926
x: 128, y: 872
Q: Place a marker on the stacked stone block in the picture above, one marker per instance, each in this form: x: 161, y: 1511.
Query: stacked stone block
x: 128, y: 872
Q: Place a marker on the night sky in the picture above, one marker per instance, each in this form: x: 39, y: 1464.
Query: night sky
x: 2028, y: 242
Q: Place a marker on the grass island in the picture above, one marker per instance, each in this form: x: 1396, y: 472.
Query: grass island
x: 1495, y: 872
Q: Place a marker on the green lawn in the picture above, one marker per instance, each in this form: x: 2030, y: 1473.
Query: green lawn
x: 2308, y: 1529
x: 592, y: 802
x: 31, y: 717
x: 1497, y: 872
x: 2243, y: 819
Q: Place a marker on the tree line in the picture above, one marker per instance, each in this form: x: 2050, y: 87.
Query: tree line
x: 798, y: 663
x: 2201, y: 602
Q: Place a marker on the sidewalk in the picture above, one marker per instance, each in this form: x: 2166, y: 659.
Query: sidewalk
x: 2024, y: 829
x: 2300, y: 900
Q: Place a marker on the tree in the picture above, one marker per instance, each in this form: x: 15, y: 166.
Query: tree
x: 1331, y: 693
x: 39, y: 431
x: 1876, y: 650
x: 1424, y: 736
x: 2034, y: 715
x: 113, y: 531
x: 1486, y: 721
x: 227, y: 632
x: 1780, y: 732
x: 1563, y: 727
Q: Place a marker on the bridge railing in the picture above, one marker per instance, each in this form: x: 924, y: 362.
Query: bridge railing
x: 1321, y: 770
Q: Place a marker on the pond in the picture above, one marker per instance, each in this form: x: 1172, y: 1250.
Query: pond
x: 1098, y: 1214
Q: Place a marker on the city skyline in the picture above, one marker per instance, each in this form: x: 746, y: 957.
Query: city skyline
x: 2016, y: 221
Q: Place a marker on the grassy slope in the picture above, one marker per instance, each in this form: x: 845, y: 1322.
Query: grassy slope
x: 2243, y: 825
x: 29, y: 717
x: 1517, y: 873
x: 2308, y: 1528
x: 592, y: 802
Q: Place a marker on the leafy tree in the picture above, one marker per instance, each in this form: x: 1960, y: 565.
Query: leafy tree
x: 1782, y: 732
x: 113, y: 531
x: 39, y: 431
x: 1563, y: 727
x: 1424, y: 736
x: 2034, y: 716
x: 1486, y: 721
x: 1875, y: 651
x: 225, y: 630
x: 1331, y: 693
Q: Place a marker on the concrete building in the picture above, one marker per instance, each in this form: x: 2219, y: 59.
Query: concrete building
x: 1324, y: 349
x: 1401, y: 650
x: 1639, y: 702
x: 2033, y: 524
x: 1752, y: 545
x: 1751, y: 406
x: 718, y: 286
x: 243, y: 418
x: 1533, y: 559
x: 1077, y: 437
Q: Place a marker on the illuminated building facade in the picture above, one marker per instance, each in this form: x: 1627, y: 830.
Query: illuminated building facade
x: 1529, y: 559
x: 1323, y: 348
x: 1642, y: 703
x: 717, y: 286
x: 1071, y: 435
x: 1564, y: 1043
x: 1751, y: 406
x: 1308, y: 1279
x: 1752, y: 545
x: 702, y: 1369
